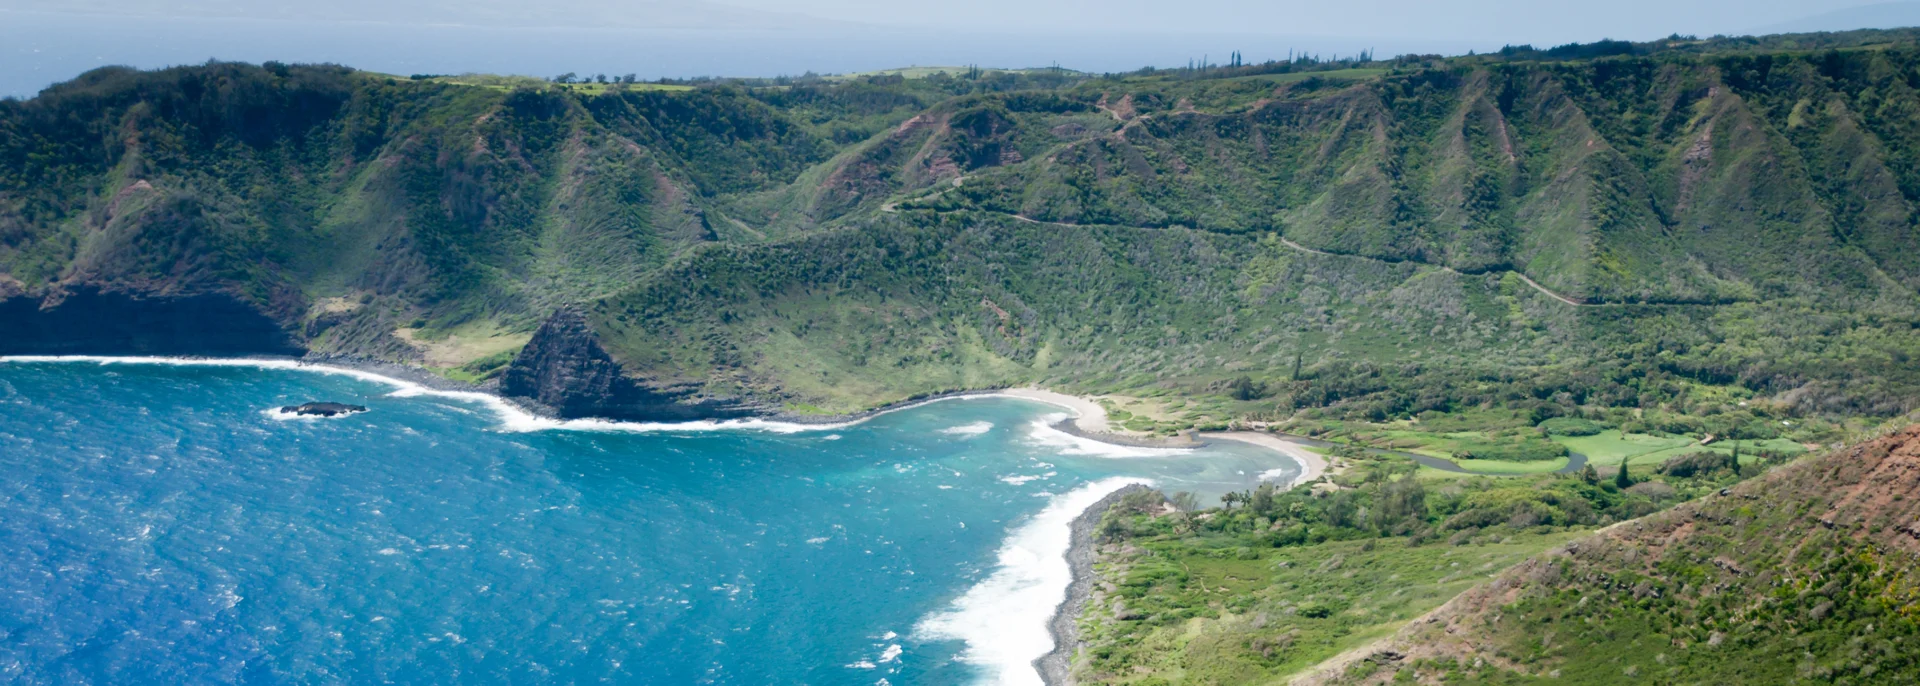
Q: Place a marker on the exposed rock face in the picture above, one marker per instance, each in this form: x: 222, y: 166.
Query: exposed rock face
x: 89, y: 320
x: 323, y: 409
x: 564, y: 367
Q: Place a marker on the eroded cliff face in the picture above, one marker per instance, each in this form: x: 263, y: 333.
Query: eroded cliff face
x: 564, y: 367
x: 82, y: 320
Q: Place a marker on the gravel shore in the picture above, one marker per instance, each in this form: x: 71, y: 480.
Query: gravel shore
x: 1056, y: 668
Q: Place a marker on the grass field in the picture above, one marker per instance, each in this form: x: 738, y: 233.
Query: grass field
x: 1494, y: 467
x: 507, y: 83
x: 1337, y: 74
x: 1608, y: 447
x: 924, y: 72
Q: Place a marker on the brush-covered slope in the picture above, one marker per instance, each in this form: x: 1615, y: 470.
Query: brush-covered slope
x: 357, y: 211
x: 914, y: 303
x: 1628, y: 179
x: 1729, y: 212
x: 1806, y: 575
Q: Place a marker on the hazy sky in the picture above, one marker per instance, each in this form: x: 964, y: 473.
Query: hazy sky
x: 1497, y: 20
x: 46, y: 41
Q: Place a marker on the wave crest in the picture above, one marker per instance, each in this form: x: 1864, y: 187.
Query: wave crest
x: 969, y: 430
x: 1003, y: 619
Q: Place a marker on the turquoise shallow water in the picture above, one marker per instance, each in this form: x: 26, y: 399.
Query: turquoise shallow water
x: 160, y: 525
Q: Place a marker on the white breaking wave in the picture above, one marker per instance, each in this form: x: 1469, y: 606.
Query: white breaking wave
x: 1278, y: 474
x: 280, y: 415
x: 1042, y: 433
x: 1003, y: 619
x: 511, y: 417
x: 973, y: 429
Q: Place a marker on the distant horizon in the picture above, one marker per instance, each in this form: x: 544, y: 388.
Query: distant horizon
x: 50, y: 47
x: 88, y: 42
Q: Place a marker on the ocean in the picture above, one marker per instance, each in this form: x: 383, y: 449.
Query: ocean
x: 163, y: 523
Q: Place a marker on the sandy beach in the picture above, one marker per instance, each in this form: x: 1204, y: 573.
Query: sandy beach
x: 1313, y: 465
x: 1056, y: 667
x: 1088, y: 416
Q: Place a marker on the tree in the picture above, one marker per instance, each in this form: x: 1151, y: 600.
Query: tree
x: 1621, y: 478
x: 1340, y: 511
x: 1590, y: 475
x: 1230, y: 498
x: 1244, y: 388
x: 1400, y: 501
x: 568, y: 77
x: 1262, y: 501
x: 1185, y: 501
x: 1297, y: 358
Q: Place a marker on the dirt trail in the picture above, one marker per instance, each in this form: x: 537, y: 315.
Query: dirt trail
x: 1296, y: 246
x: 1555, y: 296
x: 1523, y: 277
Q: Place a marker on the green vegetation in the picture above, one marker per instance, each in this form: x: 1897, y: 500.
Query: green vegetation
x: 1802, y: 576
x: 840, y: 243
x: 1275, y: 582
x: 1688, y: 260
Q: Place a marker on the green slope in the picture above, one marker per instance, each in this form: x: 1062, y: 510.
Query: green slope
x: 1804, y: 575
x: 1738, y: 211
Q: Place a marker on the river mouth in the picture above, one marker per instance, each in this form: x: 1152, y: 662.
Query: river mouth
x: 177, y: 531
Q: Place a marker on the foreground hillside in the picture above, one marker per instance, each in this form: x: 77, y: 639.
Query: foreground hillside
x: 1804, y: 575
x: 1653, y: 227
x: 1275, y: 582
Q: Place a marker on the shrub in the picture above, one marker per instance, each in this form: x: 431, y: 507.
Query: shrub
x: 1572, y: 426
x: 1700, y: 463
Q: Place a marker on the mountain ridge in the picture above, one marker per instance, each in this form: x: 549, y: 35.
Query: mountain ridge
x: 839, y: 245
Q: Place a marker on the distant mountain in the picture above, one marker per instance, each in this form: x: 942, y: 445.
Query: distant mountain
x: 1889, y: 15
x: 634, y: 14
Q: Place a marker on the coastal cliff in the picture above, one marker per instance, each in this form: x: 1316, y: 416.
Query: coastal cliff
x: 93, y: 320
x: 565, y: 368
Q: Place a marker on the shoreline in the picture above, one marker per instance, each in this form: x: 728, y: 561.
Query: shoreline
x: 1313, y: 466
x: 1056, y: 667
x: 1088, y: 421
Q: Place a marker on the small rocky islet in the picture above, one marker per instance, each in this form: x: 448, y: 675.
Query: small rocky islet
x: 323, y: 409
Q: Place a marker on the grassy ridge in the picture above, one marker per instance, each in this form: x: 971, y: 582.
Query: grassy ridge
x: 1273, y: 583
x: 1803, y: 575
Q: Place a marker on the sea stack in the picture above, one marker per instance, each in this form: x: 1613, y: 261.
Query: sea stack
x: 323, y: 409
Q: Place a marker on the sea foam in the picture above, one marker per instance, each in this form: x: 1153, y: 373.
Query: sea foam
x: 1003, y: 619
x: 1279, y: 473
x: 511, y: 417
x: 514, y: 419
x: 969, y: 430
x: 1042, y: 433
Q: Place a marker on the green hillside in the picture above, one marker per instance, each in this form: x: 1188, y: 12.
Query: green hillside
x: 1572, y: 231
x: 1692, y: 259
x: 1803, y: 576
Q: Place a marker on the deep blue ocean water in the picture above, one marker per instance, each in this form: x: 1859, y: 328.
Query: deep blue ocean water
x: 160, y: 524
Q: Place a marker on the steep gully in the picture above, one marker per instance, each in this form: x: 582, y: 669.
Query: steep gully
x: 563, y: 367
